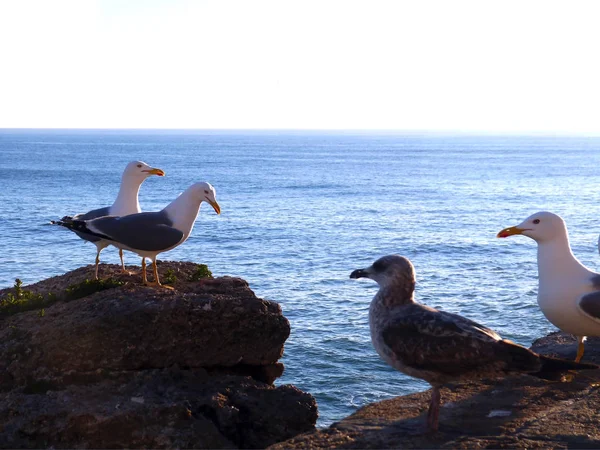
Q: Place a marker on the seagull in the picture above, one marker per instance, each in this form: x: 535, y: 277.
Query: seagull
x: 568, y: 292
x: 437, y: 346
x: 134, y: 175
x: 151, y: 233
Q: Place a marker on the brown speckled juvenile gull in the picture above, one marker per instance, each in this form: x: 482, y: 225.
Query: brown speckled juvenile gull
x: 437, y: 346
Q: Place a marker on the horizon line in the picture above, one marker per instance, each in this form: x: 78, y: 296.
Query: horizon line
x: 394, y: 131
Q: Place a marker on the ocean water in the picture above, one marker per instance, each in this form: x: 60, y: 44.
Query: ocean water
x: 300, y: 211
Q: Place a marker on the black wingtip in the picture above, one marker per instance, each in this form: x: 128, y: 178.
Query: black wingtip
x: 68, y: 222
x: 550, y: 364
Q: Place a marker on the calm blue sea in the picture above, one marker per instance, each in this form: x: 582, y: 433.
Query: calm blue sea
x: 300, y: 211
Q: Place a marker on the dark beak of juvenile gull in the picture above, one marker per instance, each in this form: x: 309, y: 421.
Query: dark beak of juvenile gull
x: 155, y: 171
x: 510, y: 231
x: 360, y: 273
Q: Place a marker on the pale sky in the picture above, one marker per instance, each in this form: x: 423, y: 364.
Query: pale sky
x: 474, y: 66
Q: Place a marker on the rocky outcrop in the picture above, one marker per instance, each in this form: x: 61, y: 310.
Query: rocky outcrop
x: 563, y: 345
x: 136, y: 366
x: 515, y: 412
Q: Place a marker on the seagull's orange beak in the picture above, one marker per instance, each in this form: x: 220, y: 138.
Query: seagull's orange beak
x: 215, y: 205
x: 510, y: 231
x: 153, y: 171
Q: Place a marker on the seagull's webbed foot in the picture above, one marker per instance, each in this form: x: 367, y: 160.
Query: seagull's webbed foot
x: 157, y: 284
x: 566, y: 378
x: 157, y: 281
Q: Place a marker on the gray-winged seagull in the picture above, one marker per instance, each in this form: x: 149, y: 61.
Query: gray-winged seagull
x: 437, y: 346
x: 151, y: 233
x: 126, y: 203
x: 568, y: 292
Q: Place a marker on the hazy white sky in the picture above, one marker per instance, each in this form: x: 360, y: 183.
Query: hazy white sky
x: 504, y: 66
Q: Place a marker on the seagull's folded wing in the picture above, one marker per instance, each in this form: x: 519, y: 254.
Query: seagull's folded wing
x: 151, y: 231
x: 90, y: 215
x: 589, y: 304
x: 431, y: 340
x: 93, y: 214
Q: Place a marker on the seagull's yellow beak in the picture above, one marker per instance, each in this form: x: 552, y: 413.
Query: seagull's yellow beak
x: 153, y: 171
x: 510, y: 231
x: 215, y: 205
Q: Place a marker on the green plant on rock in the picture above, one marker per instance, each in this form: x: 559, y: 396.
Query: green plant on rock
x: 20, y: 300
x: 169, y: 277
x: 88, y: 287
x: 201, y: 272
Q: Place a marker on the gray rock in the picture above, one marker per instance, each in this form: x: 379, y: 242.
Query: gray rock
x: 211, y: 325
x: 156, y: 409
x: 143, y: 367
x: 535, y: 414
x: 563, y: 345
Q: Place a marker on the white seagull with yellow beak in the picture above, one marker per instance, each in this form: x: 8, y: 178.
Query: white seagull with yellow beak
x: 126, y: 203
x: 151, y: 233
x: 568, y: 292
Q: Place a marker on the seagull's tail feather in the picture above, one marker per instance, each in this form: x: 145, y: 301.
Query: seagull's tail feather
x: 550, y: 365
x: 78, y: 226
x: 64, y: 219
x: 521, y: 359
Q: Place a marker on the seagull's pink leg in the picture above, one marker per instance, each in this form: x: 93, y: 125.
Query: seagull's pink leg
x: 434, y: 409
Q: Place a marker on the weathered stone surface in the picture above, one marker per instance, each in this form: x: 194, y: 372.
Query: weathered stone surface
x: 563, y: 345
x: 144, y: 367
x: 215, y: 323
x: 515, y: 412
x: 156, y: 409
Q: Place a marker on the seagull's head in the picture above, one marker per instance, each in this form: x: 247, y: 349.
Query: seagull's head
x: 389, y: 270
x: 139, y: 170
x: 206, y: 193
x: 542, y: 226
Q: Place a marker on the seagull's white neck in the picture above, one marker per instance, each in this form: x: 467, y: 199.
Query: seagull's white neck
x: 556, y: 260
x: 184, y: 210
x: 127, y: 200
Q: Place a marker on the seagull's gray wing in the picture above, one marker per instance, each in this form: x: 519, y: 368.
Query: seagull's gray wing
x: 449, y: 344
x: 589, y: 304
x: 93, y: 214
x: 149, y: 231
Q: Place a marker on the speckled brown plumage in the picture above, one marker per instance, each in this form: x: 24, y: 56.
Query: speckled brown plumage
x: 437, y: 346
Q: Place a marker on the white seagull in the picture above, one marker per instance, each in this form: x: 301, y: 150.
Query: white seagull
x: 568, y: 292
x: 151, y: 233
x: 126, y: 203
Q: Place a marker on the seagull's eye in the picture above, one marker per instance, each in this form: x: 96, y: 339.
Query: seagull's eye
x: 139, y: 166
x: 206, y: 192
x: 536, y: 221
